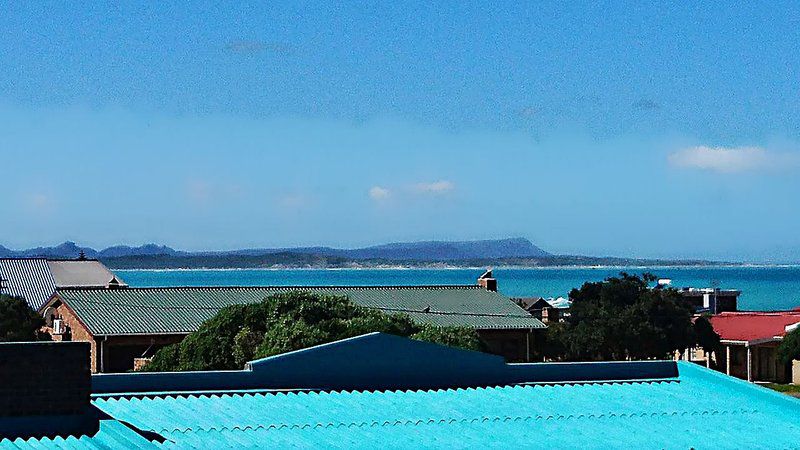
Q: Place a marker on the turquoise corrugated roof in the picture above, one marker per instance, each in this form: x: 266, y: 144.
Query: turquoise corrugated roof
x: 112, y: 434
x: 699, y: 409
x: 182, y: 310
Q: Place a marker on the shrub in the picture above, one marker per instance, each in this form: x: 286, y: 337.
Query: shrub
x: 287, y: 322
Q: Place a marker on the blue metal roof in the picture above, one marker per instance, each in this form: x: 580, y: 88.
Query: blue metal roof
x: 694, y: 407
x: 698, y: 409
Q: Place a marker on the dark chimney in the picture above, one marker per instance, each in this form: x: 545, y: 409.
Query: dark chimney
x: 487, y: 281
x: 44, y: 378
x: 45, y: 390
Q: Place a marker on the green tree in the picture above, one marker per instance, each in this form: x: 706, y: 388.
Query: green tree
x: 789, y: 349
x: 622, y: 318
x: 18, y: 322
x: 706, y: 337
x: 286, y: 322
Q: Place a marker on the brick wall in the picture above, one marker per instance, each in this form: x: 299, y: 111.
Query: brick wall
x: 44, y: 378
x: 77, y: 332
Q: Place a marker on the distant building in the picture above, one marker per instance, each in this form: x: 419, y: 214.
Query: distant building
x: 542, y: 309
x: 123, y: 325
x: 750, y: 340
x: 712, y: 300
x: 706, y: 300
x: 36, y: 279
x: 382, y: 391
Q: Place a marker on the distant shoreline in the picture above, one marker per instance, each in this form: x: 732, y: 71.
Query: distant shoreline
x: 476, y: 268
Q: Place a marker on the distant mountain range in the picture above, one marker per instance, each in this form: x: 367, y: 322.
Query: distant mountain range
x: 513, y: 251
x: 410, y: 251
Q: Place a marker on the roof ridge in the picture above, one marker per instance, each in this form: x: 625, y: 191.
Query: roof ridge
x: 759, y: 313
x: 381, y: 308
x: 270, y: 392
x: 277, y: 287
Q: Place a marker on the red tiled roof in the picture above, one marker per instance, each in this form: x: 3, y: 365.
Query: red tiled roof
x: 751, y: 326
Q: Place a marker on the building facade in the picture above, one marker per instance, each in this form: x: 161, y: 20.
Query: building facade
x: 125, y: 325
x: 749, y: 342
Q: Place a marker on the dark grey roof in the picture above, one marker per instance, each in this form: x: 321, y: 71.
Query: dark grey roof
x: 29, y: 278
x: 36, y: 279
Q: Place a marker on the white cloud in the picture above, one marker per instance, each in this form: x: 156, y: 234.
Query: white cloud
x: 39, y: 201
x: 731, y: 159
x: 436, y: 187
x: 206, y: 193
x: 199, y: 191
x: 378, y: 193
x: 294, y: 201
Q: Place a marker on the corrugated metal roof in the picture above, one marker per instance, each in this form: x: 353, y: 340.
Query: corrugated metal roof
x: 29, y: 278
x: 182, y: 310
x: 753, y: 326
x: 112, y: 434
x: 35, y: 279
x: 699, y: 409
x: 87, y: 273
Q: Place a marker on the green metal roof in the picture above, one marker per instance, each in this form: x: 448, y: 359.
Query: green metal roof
x: 181, y: 310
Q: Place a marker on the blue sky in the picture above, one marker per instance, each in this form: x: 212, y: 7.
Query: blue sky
x: 638, y: 130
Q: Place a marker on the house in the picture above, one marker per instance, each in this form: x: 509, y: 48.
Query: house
x: 750, y: 341
x: 384, y: 391
x: 540, y: 308
x: 124, y: 325
x: 712, y: 300
x: 36, y: 279
x: 706, y: 300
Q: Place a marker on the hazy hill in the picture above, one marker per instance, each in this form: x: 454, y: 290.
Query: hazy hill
x: 442, y: 250
x: 500, y: 252
x: 403, y: 251
x: 67, y: 250
x: 118, y: 251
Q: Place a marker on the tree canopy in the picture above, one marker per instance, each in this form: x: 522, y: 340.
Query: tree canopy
x: 291, y: 321
x: 623, y: 318
x: 789, y: 349
x: 18, y: 322
x: 706, y: 337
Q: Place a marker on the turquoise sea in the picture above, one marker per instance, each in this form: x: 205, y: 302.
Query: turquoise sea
x: 763, y: 288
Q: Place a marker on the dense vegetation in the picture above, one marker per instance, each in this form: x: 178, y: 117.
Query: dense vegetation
x: 622, y: 318
x: 18, y: 322
x: 291, y: 321
x: 789, y: 349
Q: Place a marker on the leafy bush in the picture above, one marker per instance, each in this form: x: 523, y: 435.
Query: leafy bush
x: 789, y: 349
x: 287, y: 322
x: 18, y: 322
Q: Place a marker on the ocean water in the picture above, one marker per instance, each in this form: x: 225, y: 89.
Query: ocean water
x: 763, y: 288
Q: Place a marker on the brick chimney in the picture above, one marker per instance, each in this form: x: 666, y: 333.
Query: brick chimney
x: 487, y: 281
